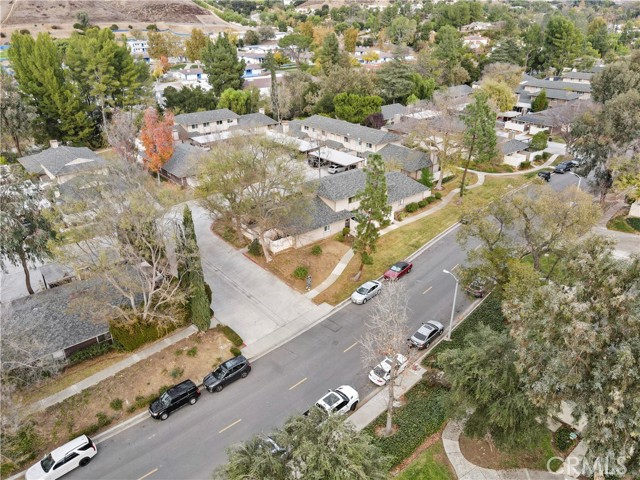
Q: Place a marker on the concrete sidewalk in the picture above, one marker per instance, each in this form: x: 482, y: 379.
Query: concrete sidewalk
x: 112, y: 370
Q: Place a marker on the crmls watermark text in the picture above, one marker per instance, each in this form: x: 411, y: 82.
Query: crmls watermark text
x: 574, y: 467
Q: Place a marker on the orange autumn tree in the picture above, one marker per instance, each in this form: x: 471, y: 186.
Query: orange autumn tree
x: 157, y: 137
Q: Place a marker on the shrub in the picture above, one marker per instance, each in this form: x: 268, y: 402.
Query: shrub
x: 114, y: 27
x: 437, y: 195
x: 524, y: 165
x: 539, y: 141
x: 255, y: 248
x: 634, y: 222
x: 546, y: 155
x: 131, y: 408
x: 231, y: 335
x: 235, y: 351
x: 316, y: 250
x: 411, y: 207
x: 340, y: 237
x: 152, y: 27
x: 116, y: 404
x: 346, y: 231
x: 78, y: 26
x: 562, y: 438
x: 423, y: 203
x: 177, y: 372
x: 179, y: 352
x: 192, y: 352
x: 431, y: 199
x: 399, y: 216
x: 130, y: 27
x: 93, y: 351
x: 448, y: 178
x: 426, y: 177
x: 138, y: 334
x: 537, y: 158
x: 301, y: 272
x: 53, y: 27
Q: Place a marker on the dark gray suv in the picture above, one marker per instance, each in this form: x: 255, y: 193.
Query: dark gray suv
x: 226, y: 373
x: 173, y: 399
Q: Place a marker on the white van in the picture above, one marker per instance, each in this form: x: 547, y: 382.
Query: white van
x: 337, y: 169
x: 71, y: 455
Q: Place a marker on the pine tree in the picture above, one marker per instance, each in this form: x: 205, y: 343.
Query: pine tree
x: 480, y: 136
x: 190, y: 272
x: 222, y: 65
x: 330, y: 52
x: 373, y: 212
x: 540, y: 103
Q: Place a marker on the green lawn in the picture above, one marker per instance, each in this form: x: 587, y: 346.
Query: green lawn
x: 624, y: 224
x: 430, y: 465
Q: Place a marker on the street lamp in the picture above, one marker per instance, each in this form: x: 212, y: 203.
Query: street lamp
x: 453, y: 307
x: 579, y: 178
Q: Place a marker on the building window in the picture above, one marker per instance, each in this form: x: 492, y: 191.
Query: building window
x: 219, y: 122
x: 346, y: 139
x: 352, y: 199
x: 306, y: 128
x: 323, y: 132
x: 327, y: 228
x: 205, y: 124
x: 194, y: 127
x: 229, y: 121
x: 369, y: 145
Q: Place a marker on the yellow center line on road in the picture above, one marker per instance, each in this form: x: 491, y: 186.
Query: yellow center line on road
x: 455, y: 266
x: 150, y: 473
x: 349, y: 348
x: 301, y: 381
x: 229, y: 426
x: 427, y: 290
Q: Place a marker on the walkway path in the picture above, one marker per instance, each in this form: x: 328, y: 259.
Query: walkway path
x: 465, y: 470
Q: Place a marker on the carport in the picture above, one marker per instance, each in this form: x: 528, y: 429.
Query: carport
x: 337, y: 157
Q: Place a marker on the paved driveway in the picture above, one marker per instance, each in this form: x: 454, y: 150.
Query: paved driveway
x: 246, y: 297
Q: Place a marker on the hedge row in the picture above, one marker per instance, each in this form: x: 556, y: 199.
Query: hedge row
x: 130, y: 338
x: 423, y: 415
x: 231, y: 335
x: 489, y: 313
x: 93, y: 351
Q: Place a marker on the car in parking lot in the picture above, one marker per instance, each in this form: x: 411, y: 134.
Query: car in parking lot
x: 366, y: 292
x: 340, y: 401
x: 576, y: 162
x: 562, y: 167
x: 76, y: 453
x: 381, y: 373
x: 226, y: 373
x: 398, y: 270
x: 336, y: 169
x: 174, y: 398
x: 425, y: 334
x: 545, y: 175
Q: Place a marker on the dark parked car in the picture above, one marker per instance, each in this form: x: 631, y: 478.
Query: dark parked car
x: 228, y: 372
x: 546, y: 176
x: 397, y: 270
x: 173, y: 399
x: 425, y: 334
x: 562, y: 167
x: 477, y: 288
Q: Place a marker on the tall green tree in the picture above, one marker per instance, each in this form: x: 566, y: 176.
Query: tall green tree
x: 540, y: 103
x: 484, y: 376
x: 480, y: 137
x: 295, y: 44
x: 373, y: 212
x: 221, y: 63
x: 449, y: 51
x: 581, y: 344
x: 240, y: 101
x: 563, y: 42
x: 500, y: 93
x: 355, y: 108
x: 16, y: 115
x: 598, y: 35
x: 401, y: 31
x: 616, y: 78
x: 533, y: 40
x: 329, y: 55
x: 26, y: 228
x: 395, y: 80
x: 198, y: 302
x: 194, y: 44
x: 315, y: 447
x: 189, y: 99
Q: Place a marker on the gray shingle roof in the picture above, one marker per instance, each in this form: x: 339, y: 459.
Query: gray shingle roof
x: 410, y: 160
x: 63, y: 160
x: 348, y: 184
x: 316, y: 215
x: 51, y: 320
x: 534, y: 119
x: 197, y: 118
x: 513, y: 146
x: 340, y: 127
x: 459, y: 91
x: 254, y: 120
x: 555, y: 85
x: 553, y: 94
x: 389, y: 111
x: 184, y: 161
x: 578, y: 75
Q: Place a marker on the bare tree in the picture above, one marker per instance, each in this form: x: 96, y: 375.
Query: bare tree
x: 121, y: 134
x: 386, y: 337
x: 563, y: 116
x: 441, y: 134
x: 255, y: 181
x: 126, y: 239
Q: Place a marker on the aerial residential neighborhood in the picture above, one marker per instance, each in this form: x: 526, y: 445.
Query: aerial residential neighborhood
x: 320, y: 239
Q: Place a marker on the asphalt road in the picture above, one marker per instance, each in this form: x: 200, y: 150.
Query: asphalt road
x: 193, y: 441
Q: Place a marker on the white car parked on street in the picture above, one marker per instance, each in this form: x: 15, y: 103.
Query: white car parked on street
x: 381, y: 373
x: 76, y: 453
x: 340, y: 401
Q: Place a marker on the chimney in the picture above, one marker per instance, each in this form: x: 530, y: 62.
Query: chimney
x: 53, y: 143
x: 285, y: 127
x: 261, y: 110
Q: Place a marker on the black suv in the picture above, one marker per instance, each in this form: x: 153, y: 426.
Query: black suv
x: 562, y: 167
x: 545, y: 175
x: 173, y: 399
x: 226, y: 373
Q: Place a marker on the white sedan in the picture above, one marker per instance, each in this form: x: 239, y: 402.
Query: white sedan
x: 340, y: 400
x: 382, y: 372
x: 366, y: 291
